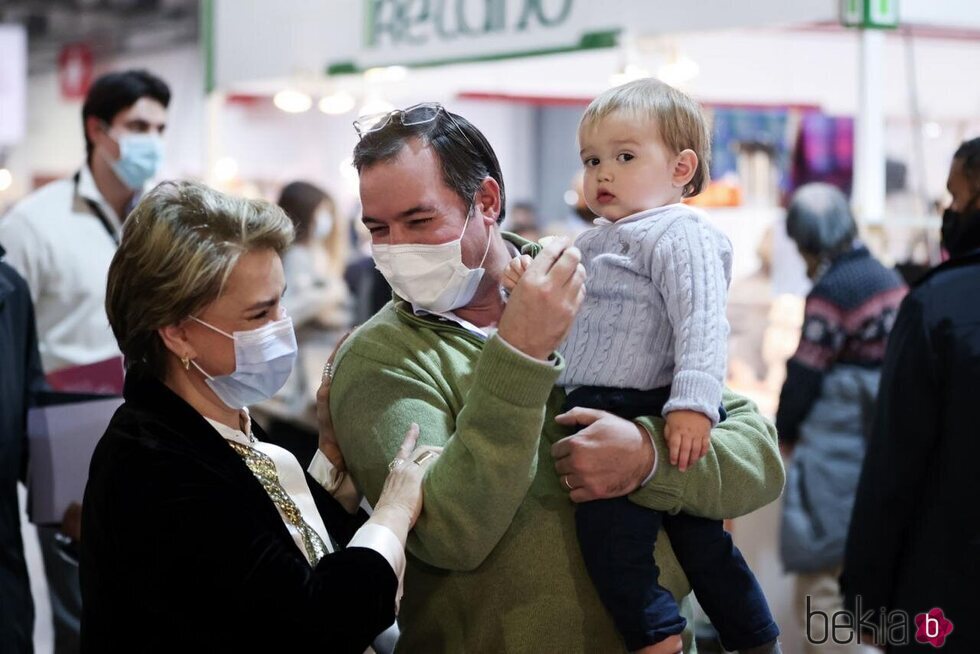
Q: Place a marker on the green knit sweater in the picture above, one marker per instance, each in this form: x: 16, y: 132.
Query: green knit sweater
x: 494, y: 564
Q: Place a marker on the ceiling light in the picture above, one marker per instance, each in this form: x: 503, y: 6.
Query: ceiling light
x: 225, y: 169
x: 337, y: 103
x: 293, y: 101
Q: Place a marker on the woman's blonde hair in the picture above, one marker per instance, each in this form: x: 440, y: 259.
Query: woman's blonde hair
x: 179, y: 245
x: 678, y: 117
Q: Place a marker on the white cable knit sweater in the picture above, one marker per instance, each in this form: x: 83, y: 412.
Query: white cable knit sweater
x: 654, y: 311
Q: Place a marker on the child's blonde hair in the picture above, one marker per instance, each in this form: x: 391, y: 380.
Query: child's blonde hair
x: 679, y: 119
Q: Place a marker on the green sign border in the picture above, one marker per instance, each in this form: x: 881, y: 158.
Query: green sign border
x: 589, y: 41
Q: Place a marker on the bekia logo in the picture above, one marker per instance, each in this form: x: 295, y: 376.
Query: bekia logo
x: 881, y: 628
x: 932, y: 628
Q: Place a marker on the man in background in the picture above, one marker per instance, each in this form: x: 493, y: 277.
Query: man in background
x: 914, y: 541
x: 61, y: 239
x: 20, y: 378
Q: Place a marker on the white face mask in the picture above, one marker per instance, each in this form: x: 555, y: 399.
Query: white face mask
x: 264, y: 359
x: 432, y: 277
x: 322, y: 224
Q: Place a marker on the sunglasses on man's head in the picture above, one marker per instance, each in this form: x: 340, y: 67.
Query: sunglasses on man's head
x: 417, y: 114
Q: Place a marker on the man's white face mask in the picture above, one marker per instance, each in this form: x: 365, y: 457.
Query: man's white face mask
x: 432, y: 277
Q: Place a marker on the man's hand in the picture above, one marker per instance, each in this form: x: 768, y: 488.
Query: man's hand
x: 544, y: 302
x: 609, y: 457
x: 688, y: 434
x: 71, y: 522
x: 515, y: 270
x: 328, y: 440
x: 669, y: 645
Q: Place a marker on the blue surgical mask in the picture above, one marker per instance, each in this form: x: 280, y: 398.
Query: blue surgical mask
x: 264, y: 359
x: 140, y: 158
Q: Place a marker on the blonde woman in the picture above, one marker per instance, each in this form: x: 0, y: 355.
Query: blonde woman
x: 198, y: 533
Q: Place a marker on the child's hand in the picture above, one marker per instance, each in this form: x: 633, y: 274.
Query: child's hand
x: 688, y: 434
x: 515, y: 270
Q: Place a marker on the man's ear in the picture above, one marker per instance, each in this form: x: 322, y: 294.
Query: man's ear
x: 685, y: 166
x: 488, y: 199
x: 95, y: 129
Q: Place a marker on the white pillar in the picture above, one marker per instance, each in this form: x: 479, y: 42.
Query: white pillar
x: 869, y: 148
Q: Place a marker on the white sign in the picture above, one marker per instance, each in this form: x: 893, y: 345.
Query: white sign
x: 13, y: 83
x: 431, y: 32
x: 254, y: 40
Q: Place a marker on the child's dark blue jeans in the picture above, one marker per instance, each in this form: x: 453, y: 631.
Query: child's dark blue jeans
x: 617, y: 539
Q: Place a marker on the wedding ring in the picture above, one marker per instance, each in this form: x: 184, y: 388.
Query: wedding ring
x: 327, y: 371
x: 395, y: 463
x: 425, y: 456
x: 564, y: 478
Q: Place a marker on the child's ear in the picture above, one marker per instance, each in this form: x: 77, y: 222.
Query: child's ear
x: 685, y: 166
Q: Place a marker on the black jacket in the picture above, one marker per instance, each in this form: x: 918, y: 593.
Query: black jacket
x: 914, y: 542
x: 20, y: 377
x: 183, y: 551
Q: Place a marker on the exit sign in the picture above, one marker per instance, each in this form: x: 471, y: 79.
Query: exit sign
x: 881, y: 14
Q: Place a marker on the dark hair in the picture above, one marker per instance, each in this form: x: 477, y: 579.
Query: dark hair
x: 969, y: 153
x: 115, y: 92
x: 819, y: 220
x: 464, y: 152
x: 299, y: 200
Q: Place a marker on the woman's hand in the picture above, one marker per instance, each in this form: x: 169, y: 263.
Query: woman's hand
x: 328, y: 440
x: 400, y: 502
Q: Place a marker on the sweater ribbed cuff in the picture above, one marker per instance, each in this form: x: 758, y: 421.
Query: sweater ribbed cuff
x: 513, y: 377
x: 693, y: 390
x: 663, y: 491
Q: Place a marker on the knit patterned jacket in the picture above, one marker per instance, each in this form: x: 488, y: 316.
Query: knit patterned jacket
x: 848, y: 316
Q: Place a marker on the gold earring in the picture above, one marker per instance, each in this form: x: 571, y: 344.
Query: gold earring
x: 186, y: 362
